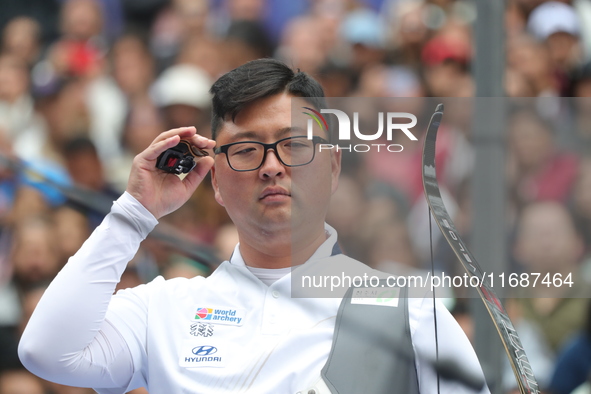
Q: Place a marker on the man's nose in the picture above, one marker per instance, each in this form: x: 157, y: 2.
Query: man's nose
x: 272, y: 166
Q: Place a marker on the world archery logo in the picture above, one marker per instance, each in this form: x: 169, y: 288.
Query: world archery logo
x: 317, y: 117
x: 203, y: 313
x: 228, y: 316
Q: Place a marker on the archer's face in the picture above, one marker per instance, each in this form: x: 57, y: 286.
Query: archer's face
x: 274, y: 199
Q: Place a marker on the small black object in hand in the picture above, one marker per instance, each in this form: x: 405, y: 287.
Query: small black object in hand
x: 180, y: 159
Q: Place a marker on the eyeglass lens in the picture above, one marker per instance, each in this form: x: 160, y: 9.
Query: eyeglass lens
x: 291, y: 152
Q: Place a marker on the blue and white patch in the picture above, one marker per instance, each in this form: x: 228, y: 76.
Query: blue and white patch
x: 196, y: 354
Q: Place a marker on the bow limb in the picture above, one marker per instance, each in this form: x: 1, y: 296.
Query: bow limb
x: 519, y: 363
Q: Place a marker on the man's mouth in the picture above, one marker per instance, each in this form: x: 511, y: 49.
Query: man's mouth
x: 274, y: 193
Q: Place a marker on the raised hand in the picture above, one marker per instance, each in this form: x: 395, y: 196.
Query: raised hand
x: 161, y: 192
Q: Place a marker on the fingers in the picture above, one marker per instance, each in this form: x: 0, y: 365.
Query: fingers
x: 201, y: 141
x: 187, y: 133
x: 171, y: 138
x: 152, y: 152
x: 194, y: 178
x: 183, y: 132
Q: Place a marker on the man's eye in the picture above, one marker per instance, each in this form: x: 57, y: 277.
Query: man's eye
x: 296, y: 145
x: 244, y: 150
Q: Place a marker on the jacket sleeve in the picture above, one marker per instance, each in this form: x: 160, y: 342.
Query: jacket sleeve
x: 68, y: 340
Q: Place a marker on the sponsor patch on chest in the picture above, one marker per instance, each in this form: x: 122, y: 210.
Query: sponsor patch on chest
x: 196, y: 354
x: 198, y: 329
x: 215, y: 315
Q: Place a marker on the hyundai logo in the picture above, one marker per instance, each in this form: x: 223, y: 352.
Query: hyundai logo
x: 204, y: 350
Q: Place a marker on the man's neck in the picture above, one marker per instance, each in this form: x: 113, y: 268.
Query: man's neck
x: 280, y: 253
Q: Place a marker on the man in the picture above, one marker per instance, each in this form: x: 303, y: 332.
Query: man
x: 239, y: 330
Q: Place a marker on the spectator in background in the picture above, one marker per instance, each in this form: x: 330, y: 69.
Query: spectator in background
x: 547, y: 242
x: 86, y: 171
x: 132, y: 66
x: 144, y: 122
x: 446, y: 60
x: 336, y: 79
x: 517, y: 85
x: 34, y: 255
x: 363, y: 30
x: 134, y: 70
x: 45, y: 12
x: 19, y: 122
x: 531, y: 59
x: 515, y: 18
x: 84, y: 166
x: 228, y: 11
x: 174, y: 24
x: 210, y: 54
x: 361, y: 208
x: 573, y: 366
x: 407, y: 33
x: 346, y: 211
x: 329, y: 15
x: 28, y: 201
x: 81, y: 45
x: 248, y: 10
x: 22, y: 38
x: 71, y: 229
x: 65, y: 114
x: 142, y: 13
x: 557, y: 26
x: 391, y: 249
x: 537, y: 169
x: 245, y: 41
x: 300, y: 45
x: 546, y: 316
x: 78, y: 60
x: 182, y: 93
x: 32, y: 260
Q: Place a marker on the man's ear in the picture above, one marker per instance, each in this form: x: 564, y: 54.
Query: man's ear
x: 335, y: 162
x: 216, y: 189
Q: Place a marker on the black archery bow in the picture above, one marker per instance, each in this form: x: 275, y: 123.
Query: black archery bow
x: 519, y: 362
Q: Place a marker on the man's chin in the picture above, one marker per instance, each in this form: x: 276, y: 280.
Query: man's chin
x: 286, y: 218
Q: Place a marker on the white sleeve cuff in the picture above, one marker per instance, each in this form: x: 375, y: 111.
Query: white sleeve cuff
x: 143, y: 219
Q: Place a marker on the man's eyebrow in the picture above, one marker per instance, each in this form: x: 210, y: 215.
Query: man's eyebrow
x: 244, y: 135
x: 290, y: 130
x: 255, y: 136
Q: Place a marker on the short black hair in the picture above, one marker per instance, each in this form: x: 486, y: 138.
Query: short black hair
x: 259, y: 79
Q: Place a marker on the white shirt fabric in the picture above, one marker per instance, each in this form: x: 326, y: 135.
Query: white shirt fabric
x: 228, y: 333
x: 269, y: 275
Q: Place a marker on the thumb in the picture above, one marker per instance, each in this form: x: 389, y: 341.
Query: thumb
x: 195, y: 177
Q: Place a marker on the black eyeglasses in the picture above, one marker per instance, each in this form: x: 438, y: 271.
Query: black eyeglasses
x: 250, y: 155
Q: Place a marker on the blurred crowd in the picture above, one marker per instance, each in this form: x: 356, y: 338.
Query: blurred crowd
x: 85, y: 85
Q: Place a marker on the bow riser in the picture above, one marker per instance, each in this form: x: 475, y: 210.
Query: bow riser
x: 513, y: 347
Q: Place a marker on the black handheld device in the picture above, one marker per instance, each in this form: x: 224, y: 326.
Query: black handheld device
x: 180, y: 159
